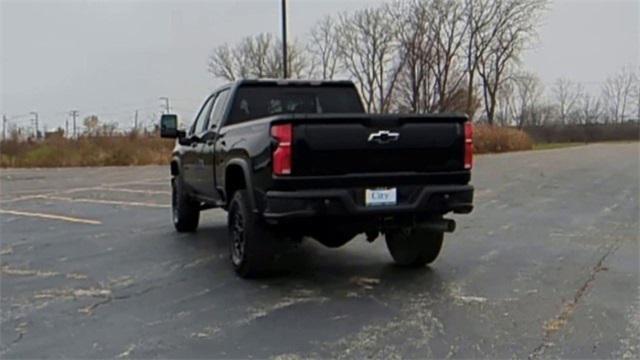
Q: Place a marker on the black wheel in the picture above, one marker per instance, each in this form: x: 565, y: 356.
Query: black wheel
x: 414, y: 247
x: 253, y: 246
x: 185, y: 212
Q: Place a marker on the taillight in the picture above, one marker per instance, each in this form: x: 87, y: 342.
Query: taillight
x: 283, y: 133
x: 468, y: 145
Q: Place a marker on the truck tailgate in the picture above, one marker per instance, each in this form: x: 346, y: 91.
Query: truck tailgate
x: 338, y: 145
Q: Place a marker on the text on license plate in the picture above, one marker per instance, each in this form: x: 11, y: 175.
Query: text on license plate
x: 375, y: 197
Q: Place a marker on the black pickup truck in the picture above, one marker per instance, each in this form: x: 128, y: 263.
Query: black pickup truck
x: 289, y: 159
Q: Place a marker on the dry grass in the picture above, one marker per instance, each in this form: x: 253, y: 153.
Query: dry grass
x: 147, y: 150
x: 494, y: 139
x: 552, y: 146
x: 86, y: 151
x: 629, y: 131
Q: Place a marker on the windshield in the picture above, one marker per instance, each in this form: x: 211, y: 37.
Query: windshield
x: 253, y: 102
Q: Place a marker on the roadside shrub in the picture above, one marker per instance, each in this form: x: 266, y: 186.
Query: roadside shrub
x: 86, y: 151
x: 138, y: 149
x: 629, y: 131
x: 494, y: 139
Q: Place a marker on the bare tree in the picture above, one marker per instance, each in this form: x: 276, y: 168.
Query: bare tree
x: 617, y: 93
x: 250, y: 58
x: 415, y: 55
x: 637, y: 94
x: 482, y: 27
x: 506, y: 108
x: 512, y: 26
x: 323, y: 47
x: 254, y: 53
x: 300, y: 66
x: 368, y: 53
x: 416, y: 43
x: 257, y: 56
x: 224, y: 64
x: 591, y: 108
x: 430, y: 41
x: 91, y: 125
x: 448, y: 27
x: 530, y: 90
x: 567, y: 95
x: 108, y: 129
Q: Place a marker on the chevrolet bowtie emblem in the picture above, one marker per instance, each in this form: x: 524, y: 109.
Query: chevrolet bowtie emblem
x: 383, y: 137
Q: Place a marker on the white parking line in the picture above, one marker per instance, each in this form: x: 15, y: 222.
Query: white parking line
x: 34, y: 194
x: 21, y: 198
x: 150, y: 181
x: 135, y: 191
x: 83, y: 189
x: 51, y: 217
x: 107, y: 202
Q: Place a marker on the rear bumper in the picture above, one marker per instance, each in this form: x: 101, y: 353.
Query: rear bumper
x: 441, y: 199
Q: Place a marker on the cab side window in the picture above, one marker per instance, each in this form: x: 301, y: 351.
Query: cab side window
x: 201, y: 120
x: 217, y: 111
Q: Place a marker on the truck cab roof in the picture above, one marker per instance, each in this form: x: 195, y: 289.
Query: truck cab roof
x: 293, y: 82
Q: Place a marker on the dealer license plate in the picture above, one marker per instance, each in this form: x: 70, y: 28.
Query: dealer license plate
x: 380, y: 197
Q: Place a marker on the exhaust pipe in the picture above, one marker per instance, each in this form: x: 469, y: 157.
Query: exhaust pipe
x: 443, y: 225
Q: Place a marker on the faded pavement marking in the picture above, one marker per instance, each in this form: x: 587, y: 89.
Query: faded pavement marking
x: 135, y: 191
x: 21, y: 198
x: 105, y: 202
x: 51, y: 217
x: 39, y: 194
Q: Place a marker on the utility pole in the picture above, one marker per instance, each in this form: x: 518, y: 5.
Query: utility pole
x: 135, y: 121
x: 4, y: 127
x: 74, y: 115
x: 638, y: 90
x: 66, y: 127
x: 35, y: 120
x: 167, y: 109
x: 285, y: 65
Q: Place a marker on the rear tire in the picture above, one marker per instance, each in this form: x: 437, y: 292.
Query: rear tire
x: 252, y: 244
x: 185, y: 212
x: 413, y: 246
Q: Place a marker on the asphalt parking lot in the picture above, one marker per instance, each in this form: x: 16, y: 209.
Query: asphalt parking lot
x: 546, y: 266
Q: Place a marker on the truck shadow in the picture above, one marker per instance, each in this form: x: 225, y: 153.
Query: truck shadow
x: 357, y: 265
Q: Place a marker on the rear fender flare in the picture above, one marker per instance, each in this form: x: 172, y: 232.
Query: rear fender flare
x: 246, y: 170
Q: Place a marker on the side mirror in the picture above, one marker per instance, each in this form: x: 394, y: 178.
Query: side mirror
x: 169, y: 126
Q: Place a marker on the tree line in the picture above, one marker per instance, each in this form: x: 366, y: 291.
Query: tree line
x: 524, y: 101
x: 435, y: 56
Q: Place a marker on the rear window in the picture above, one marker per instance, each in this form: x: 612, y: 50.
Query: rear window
x: 253, y: 102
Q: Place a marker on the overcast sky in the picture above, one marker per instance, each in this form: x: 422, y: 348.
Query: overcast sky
x: 113, y: 57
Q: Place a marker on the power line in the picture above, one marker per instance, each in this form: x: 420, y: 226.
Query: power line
x: 18, y: 116
x: 120, y: 110
x: 124, y: 112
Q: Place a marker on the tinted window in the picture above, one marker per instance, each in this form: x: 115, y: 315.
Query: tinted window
x: 252, y: 102
x: 218, y: 109
x: 200, y: 120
